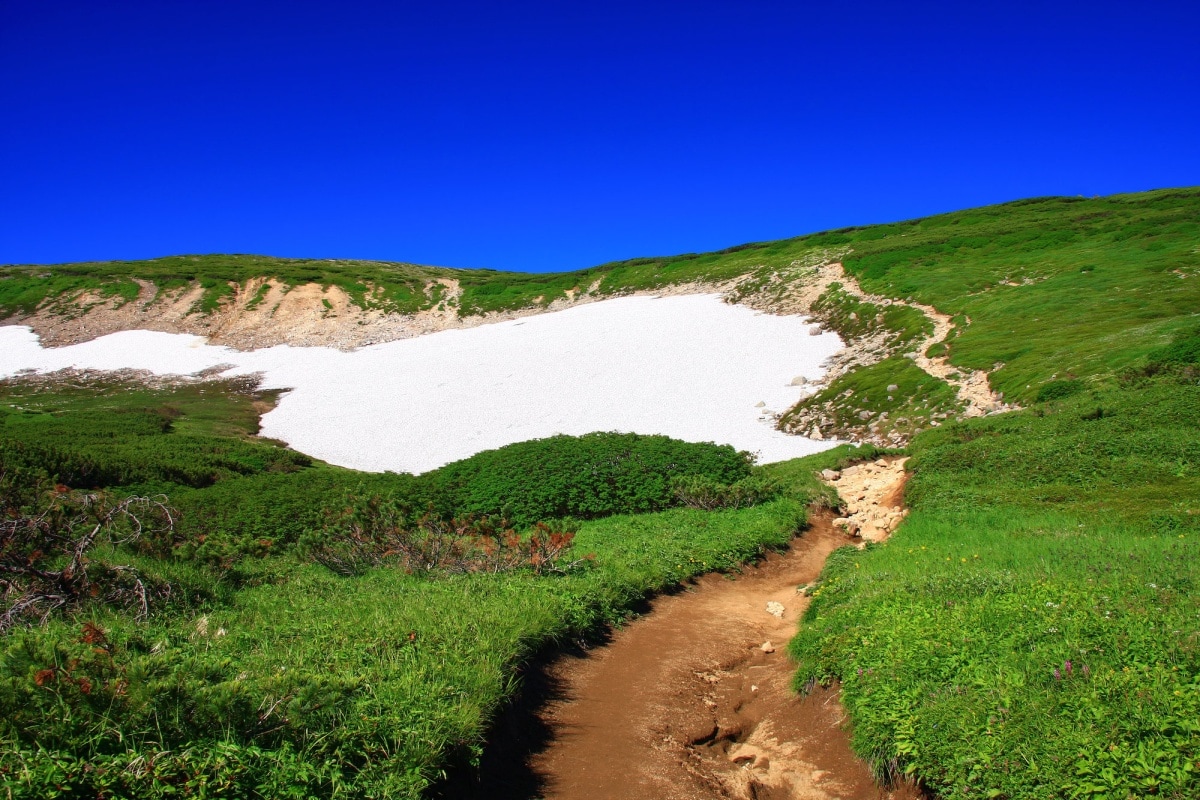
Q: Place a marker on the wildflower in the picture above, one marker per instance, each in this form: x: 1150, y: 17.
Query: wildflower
x: 1086, y: 671
x: 1057, y: 674
x: 1067, y: 666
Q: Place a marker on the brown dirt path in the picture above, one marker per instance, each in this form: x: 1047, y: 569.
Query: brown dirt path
x: 692, y: 700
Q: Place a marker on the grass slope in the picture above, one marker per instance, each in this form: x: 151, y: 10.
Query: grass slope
x: 1033, y: 629
x: 1029, y: 632
x: 265, y: 675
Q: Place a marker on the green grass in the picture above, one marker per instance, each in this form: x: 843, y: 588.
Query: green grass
x: 1098, y: 282
x: 1036, y: 538
x: 861, y: 397
x: 1064, y: 533
x: 263, y: 675
x: 309, y: 684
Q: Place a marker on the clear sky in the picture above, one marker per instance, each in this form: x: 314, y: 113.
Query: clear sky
x: 558, y: 135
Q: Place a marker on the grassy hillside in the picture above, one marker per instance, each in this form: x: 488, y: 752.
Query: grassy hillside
x: 1045, y: 288
x: 310, y: 630
x: 1029, y: 632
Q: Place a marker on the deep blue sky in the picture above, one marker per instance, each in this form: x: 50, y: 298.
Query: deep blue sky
x: 557, y: 135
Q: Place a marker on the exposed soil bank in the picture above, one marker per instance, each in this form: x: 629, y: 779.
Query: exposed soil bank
x: 692, y: 700
x: 265, y: 313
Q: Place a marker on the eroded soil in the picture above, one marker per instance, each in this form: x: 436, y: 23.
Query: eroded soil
x: 692, y: 700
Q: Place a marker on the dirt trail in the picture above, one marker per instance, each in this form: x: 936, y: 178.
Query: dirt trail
x: 693, y: 700
x: 972, y: 386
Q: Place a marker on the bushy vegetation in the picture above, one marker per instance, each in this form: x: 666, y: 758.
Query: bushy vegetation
x: 580, y: 477
x: 304, y: 630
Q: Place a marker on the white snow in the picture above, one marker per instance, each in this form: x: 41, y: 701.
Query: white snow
x: 691, y: 367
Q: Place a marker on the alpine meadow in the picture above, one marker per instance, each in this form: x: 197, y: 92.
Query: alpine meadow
x: 193, y: 610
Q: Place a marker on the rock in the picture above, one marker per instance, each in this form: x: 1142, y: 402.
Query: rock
x: 850, y: 526
x: 892, y: 387
x: 880, y: 463
x: 864, y: 414
x: 745, y: 754
x: 815, y: 330
x: 767, y: 647
x: 815, y: 434
x: 830, y: 474
x: 775, y: 609
x: 759, y: 404
x: 799, y: 380
x: 853, y: 317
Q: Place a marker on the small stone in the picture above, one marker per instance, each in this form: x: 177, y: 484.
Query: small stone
x: 815, y: 330
x: 815, y: 434
x: 775, y: 609
x: 753, y: 688
x: 767, y: 647
x: 864, y: 414
x: 744, y: 754
x: 892, y: 387
x: 830, y: 474
x: 799, y: 380
x: 759, y: 404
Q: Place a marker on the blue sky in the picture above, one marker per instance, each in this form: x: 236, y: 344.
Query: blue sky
x: 548, y: 136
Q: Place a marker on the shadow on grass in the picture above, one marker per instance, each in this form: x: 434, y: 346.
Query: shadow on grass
x: 519, y: 733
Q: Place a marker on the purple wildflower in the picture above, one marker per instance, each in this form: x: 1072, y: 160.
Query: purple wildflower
x: 1057, y: 674
x: 1086, y: 671
x: 1068, y: 666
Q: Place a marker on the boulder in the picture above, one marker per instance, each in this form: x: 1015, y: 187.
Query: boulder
x: 799, y: 380
x: 830, y: 474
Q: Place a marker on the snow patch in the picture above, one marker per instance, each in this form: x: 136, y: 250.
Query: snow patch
x: 691, y: 367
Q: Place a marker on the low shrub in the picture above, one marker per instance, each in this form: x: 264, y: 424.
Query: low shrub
x: 698, y: 491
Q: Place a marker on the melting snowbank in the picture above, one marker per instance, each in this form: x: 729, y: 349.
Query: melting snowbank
x: 691, y: 367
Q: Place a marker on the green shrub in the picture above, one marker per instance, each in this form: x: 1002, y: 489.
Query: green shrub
x: 577, y: 476
x: 698, y: 491
x: 1057, y: 390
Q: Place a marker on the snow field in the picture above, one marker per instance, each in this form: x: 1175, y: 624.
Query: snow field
x: 691, y: 367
